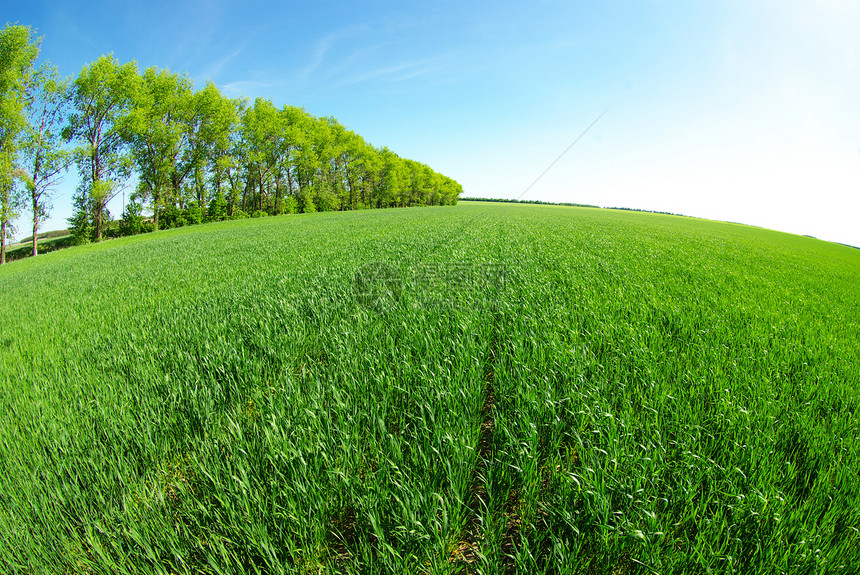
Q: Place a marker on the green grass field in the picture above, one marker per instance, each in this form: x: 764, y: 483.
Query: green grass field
x: 474, y: 389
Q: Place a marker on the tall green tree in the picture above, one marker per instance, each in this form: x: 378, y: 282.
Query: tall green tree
x: 393, y: 178
x: 354, y: 150
x: 211, y: 122
x: 18, y: 52
x: 45, y: 159
x: 232, y: 164
x: 261, y: 130
x: 308, y: 163
x: 293, y: 121
x: 101, y: 95
x: 370, y: 167
x: 156, y: 128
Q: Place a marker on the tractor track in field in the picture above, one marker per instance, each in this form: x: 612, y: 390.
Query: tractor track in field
x: 466, y: 556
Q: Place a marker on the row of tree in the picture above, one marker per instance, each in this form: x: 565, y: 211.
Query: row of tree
x: 539, y: 202
x: 192, y: 156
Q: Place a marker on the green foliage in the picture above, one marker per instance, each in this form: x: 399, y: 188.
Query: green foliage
x: 197, y: 155
x: 45, y: 159
x: 173, y: 217
x: 132, y: 222
x: 289, y: 205
x: 489, y: 388
x: 155, y: 127
x: 18, y: 51
x: 307, y: 203
x: 217, y: 208
x: 101, y: 95
x: 81, y: 224
x: 193, y: 214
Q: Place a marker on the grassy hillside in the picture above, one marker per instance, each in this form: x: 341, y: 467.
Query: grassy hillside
x: 24, y: 249
x: 47, y: 235
x: 475, y: 389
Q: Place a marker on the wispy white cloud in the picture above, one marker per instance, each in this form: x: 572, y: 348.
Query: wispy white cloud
x: 214, y: 69
x: 361, y: 53
x: 241, y: 88
x: 324, y: 46
x: 397, y: 72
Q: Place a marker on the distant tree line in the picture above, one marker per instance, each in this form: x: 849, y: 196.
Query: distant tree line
x: 46, y: 235
x: 193, y: 155
x: 648, y: 211
x: 510, y: 201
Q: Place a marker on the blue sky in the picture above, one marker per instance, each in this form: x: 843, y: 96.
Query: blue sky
x: 738, y: 110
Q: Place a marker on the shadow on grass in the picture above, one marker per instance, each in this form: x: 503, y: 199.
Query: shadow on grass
x: 21, y: 251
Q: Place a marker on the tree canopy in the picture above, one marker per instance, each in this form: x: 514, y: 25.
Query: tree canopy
x: 186, y: 156
x: 18, y: 52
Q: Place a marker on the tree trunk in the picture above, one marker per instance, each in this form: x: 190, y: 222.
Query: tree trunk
x: 34, y: 195
x: 3, y: 243
x: 261, y: 190
x: 351, y: 184
x: 232, y: 192
x: 99, y: 224
x: 97, y: 175
x: 218, y: 191
x: 35, y: 233
x: 198, y: 183
x: 155, y: 212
